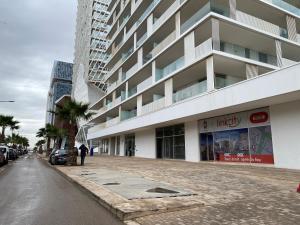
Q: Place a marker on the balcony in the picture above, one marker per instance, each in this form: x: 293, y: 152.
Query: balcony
x: 190, y: 91
x: 286, y: 6
x: 203, y: 49
x: 132, y: 92
x: 172, y: 67
x: 154, y: 106
x: 130, y: 72
x: 112, y: 122
x: 145, y: 84
x: 126, y: 115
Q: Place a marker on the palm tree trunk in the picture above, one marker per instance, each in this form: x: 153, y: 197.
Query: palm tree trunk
x: 48, y: 150
x: 2, y: 136
x: 72, y: 159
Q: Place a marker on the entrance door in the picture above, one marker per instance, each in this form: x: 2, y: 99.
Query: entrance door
x: 130, y: 145
x: 113, y: 146
x: 207, y: 147
x: 168, y: 148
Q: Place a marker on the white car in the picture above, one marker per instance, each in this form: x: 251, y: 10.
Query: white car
x: 5, y: 150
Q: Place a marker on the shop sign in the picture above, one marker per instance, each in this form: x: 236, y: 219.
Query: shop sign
x: 259, y: 117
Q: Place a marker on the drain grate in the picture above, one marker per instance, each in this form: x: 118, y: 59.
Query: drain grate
x: 87, y: 174
x: 110, y: 184
x: 162, y: 191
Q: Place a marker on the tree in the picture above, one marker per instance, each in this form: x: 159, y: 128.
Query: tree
x: 71, y: 112
x: 39, y: 145
x: 7, y: 121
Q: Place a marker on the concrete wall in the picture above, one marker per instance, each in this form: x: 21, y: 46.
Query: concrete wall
x: 145, y: 144
x: 192, y: 149
x: 285, y: 123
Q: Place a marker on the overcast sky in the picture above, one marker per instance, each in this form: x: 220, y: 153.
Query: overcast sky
x: 33, y: 33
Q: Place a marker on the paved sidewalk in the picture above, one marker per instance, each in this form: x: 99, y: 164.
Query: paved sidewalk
x: 212, y: 193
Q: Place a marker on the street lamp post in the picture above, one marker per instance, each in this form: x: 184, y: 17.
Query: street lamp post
x: 8, y: 101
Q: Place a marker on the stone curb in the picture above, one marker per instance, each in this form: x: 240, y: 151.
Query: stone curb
x: 124, y: 216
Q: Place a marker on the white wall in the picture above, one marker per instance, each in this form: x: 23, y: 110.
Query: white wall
x: 145, y: 144
x: 192, y: 149
x: 285, y: 123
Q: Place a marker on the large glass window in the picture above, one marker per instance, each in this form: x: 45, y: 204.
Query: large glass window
x: 170, y: 142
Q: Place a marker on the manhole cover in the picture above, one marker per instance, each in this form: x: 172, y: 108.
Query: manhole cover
x: 162, y: 190
x: 112, y: 184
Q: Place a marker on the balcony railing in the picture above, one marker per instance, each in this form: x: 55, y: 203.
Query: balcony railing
x: 125, y: 115
x: 132, y: 92
x: 177, y: 64
x: 166, y: 14
x: 286, y: 6
x: 248, y: 53
x: 141, y: 40
x: 164, y: 43
x: 190, y: 91
x: 154, y: 106
x: 130, y: 72
x: 146, y: 83
x: 97, y: 128
x: 112, y: 122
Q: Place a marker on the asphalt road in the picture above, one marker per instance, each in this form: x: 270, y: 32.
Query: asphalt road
x: 31, y: 193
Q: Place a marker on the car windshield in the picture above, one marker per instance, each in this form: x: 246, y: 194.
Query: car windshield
x: 62, y: 151
x: 3, y: 150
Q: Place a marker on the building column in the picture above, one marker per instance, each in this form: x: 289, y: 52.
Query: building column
x: 150, y: 25
x: 104, y: 102
x: 169, y: 92
x: 189, y: 48
x: 232, y: 6
x: 291, y: 28
x: 122, y: 145
x: 140, y: 58
x: 153, y: 72
x: 120, y: 112
x: 132, y: 6
x: 216, y: 34
x: 192, y: 144
x: 134, y: 41
x: 126, y: 89
x: 124, y: 34
x: 139, y: 105
x: 278, y: 53
x: 114, y: 96
x: 177, y: 24
x: 120, y: 74
x: 251, y: 71
x: 210, y: 73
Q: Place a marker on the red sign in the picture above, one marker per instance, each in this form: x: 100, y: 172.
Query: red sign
x: 259, y: 117
x: 266, y: 159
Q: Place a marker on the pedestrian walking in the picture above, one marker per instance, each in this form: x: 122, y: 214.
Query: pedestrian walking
x: 83, y: 152
x: 92, y: 151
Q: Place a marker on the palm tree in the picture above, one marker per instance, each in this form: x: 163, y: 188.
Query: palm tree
x: 40, y: 144
x: 71, y: 112
x: 5, y: 121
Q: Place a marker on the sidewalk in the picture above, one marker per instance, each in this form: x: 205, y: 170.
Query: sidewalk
x: 189, y: 193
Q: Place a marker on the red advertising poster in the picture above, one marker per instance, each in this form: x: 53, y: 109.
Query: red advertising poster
x: 267, y: 159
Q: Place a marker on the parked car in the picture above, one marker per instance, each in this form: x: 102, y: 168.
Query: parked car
x: 59, y: 157
x: 5, y: 150
x: 13, y: 155
x: 20, y: 152
x: 2, y: 159
x: 51, y: 154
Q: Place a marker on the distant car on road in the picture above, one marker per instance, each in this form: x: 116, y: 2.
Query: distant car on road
x: 59, y: 157
x: 5, y: 150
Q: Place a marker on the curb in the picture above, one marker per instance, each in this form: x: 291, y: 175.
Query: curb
x: 119, y: 214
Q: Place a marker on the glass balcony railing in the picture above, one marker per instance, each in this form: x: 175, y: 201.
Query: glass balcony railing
x: 177, y: 64
x: 285, y: 5
x: 154, y: 106
x: 125, y: 115
x: 147, y: 11
x: 132, y: 92
x: 190, y: 91
x: 248, y: 53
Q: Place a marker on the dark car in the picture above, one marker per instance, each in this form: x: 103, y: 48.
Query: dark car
x: 59, y: 157
x: 20, y: 152
x: 12, y: 154
x: 51, y: 154
x: 2, y: 159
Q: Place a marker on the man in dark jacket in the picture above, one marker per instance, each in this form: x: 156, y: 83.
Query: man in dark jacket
x: 83, y: 152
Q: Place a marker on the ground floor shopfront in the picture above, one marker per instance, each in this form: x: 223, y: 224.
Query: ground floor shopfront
x: 267, y: 135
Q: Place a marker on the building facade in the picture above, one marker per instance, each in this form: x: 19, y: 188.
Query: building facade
x: 209, y: 80
x: 60, y: 85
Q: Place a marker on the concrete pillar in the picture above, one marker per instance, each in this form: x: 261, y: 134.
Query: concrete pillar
x: 278, y: 53
x: 251, y: 71
x: 232, y: 6
x: 210, y: 73
x: 189, y: 48
x: 177, y: 24
x: 139, y: 105
x: 120, y: 112
x: 120, y: 74
x: 153, y: 72
x: 134, y: 41
x: 140, y: 58
x: 192, y: 145
x: 125, y: 34
x: 150, y: 25
x: 113, y: 48
x: 291, y: 28
x: 122, y: 145
x: 104, y: 102
x: 216, y: 34
x: 126, y: 89
x: 132, y: 6
x: 114, y: 96
x: 169, y: 92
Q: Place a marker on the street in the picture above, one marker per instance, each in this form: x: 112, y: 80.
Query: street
x: 34, y: 194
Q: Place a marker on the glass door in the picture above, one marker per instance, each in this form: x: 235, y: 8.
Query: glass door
x: 168, y: 148
x: 130, y: 145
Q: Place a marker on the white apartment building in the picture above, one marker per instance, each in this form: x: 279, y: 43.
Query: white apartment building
x: 201, y: 80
